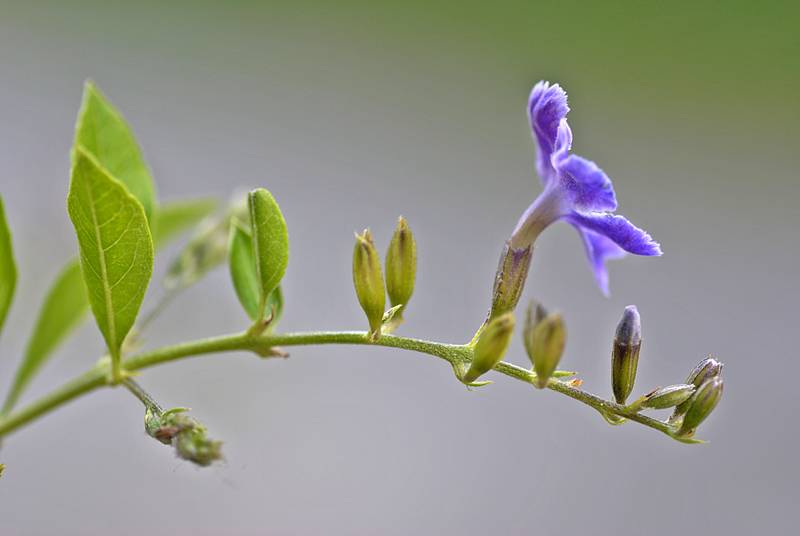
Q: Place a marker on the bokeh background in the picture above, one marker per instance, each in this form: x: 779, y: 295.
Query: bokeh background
x: 353, y: 113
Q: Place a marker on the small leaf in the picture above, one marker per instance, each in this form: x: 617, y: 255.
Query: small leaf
x: 270, y: 243
x: 173, y: 218
x: 115, y: 245
x: 104, y: 133
x: 8, y: 270
x: 242, y: 263
x: 63, y: 309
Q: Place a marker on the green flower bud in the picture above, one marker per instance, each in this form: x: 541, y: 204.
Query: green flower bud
x: 401, y: 265
x: 625, y: 354
x: 702, y: 403
x: 705, y: 370
x: 368, y: 281
x: 545, y: 336
x: 667, y: 397
x: 509, y: 281
x: 490, y: 347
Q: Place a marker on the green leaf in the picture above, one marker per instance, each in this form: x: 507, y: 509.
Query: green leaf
x: 270, y: 244
x: 104, y: 133
x: 67, y: 302
x: 63, y: 309
x: 116, y: 249
x: 242, y: 263
x: 173, y: 218
x: 8, y: 270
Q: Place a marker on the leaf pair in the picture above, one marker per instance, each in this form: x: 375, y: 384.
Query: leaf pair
x: 258, y: 257
x: 106, y: 157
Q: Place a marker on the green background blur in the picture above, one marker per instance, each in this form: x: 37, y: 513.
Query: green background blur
x: 353, y: 113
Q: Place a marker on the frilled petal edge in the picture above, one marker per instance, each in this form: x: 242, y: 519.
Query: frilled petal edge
x: 619, y: 230
x: 547, y: 106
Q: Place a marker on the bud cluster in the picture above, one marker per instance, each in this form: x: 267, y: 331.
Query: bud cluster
x: 188, y: 437
x: 368, y: 280
x: 693, y: 400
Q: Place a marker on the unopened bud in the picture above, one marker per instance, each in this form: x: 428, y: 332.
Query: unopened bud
x: 368, y: 281
x: 705, y: 370
x: 509, y: 281
x: 702, y: 403
x: 490, y: 347
x: 667, y: 397
x: 189, y: 437
x: 545, y: 336
x: 401, y: 265
x: 625, y: 354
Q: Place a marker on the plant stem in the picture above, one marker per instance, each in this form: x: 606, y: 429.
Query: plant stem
x: 143, y: 396
x: 456, y: 355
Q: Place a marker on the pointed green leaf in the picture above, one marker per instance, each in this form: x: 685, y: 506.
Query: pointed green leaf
x: 116, y: 249
x: 66, y: 303
x: 8, y: 270
x: 63, y: 309
x: 242, y: 263
x: 173, y: 218
x: 270, y: 243
x: 104, y: 133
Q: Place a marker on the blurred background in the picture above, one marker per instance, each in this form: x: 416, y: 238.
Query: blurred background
x: 352, y: 113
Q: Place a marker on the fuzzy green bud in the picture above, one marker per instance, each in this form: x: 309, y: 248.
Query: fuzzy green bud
x: 368, y: 281
x: 702, y: 403
x: 490, y: 347
x: 625, y: 354
x: 509, y: 280
x: 667, y: 397
x: 401, y: 265
x: 544, y: 336
x: 705, y: 370
x: 194, y: 445
x: 189, y: 437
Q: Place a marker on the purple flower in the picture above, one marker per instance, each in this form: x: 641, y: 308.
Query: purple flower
x: 575, y: 190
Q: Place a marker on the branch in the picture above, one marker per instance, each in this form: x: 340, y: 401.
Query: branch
x: 455, y: 354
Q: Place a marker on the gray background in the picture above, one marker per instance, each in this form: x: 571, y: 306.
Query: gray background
x: 352, y: 114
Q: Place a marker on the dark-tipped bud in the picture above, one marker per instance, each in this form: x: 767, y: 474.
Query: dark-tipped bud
x: 368, y: 281
x: 544, y: 336
x: 702, y: 403
x: 401, y: 265
x: 509, y: 281
x: 705, y: 370
x: 625, y: 354
x: 667, y: 397
x: 490, y: 347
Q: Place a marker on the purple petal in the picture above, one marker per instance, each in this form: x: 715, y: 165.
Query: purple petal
x: 588, y: 186
x: 622, y: 232
x: 547, y: 106
x: 599, y: 249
